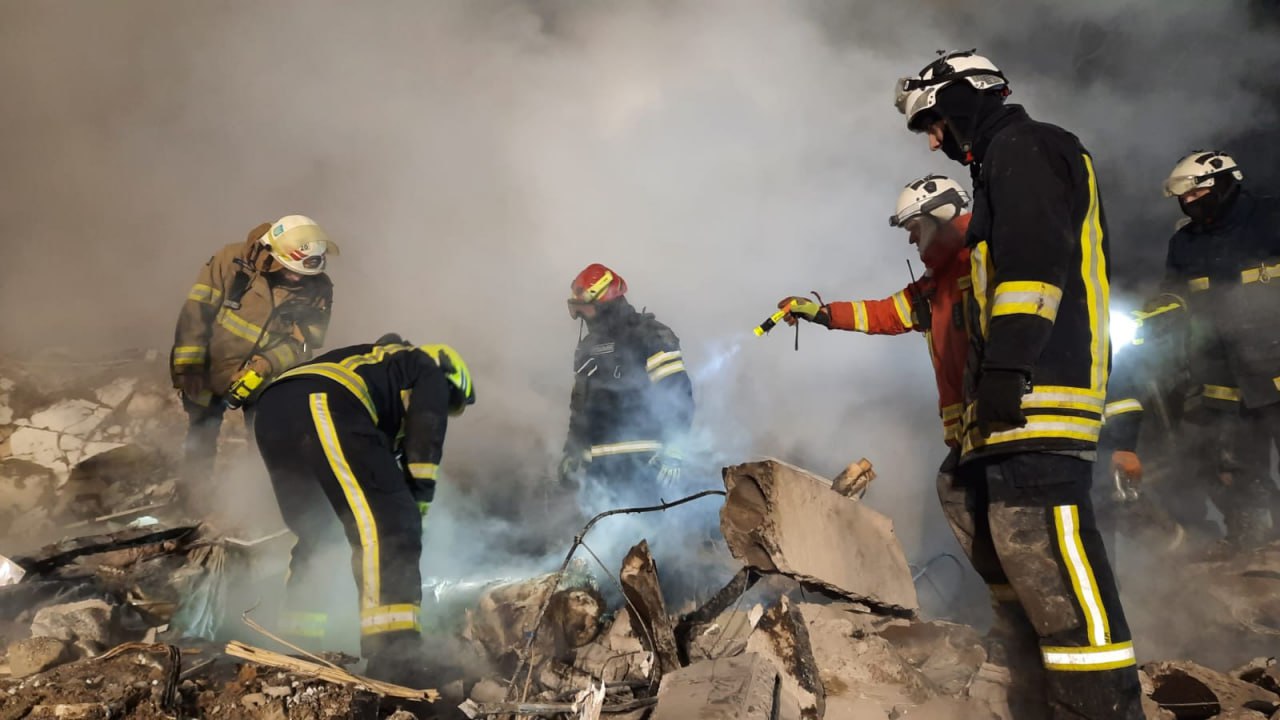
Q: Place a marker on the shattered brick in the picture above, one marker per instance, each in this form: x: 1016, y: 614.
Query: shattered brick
x: 736, y: 688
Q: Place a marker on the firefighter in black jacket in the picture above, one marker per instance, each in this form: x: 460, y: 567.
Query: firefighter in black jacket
x: 1223, y: 261
x: 1035, y: 383
x: 632, y: 402
x: 362, y: 427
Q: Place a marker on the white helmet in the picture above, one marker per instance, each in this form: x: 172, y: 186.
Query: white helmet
x: 936, y: 195
x: 298, y: 243
x: 1200, y: 169
x: 914, y: 95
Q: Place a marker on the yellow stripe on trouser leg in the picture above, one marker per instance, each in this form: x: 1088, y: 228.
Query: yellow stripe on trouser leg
x: 370, y: 586
x: 1066, y: 519
x: 304, y: 624
x: 389, y: 618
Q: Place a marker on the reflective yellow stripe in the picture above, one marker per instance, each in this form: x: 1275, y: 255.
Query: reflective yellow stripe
x: 657, y: 359
x: 304, y: 624
x: 979, y: 272
x: 1220, y: 392
x: 206, y: 294
x: 282, y: 356
x: 388, y: 618
x: 1093, y: 269
x: 1038, y: 427
x: 1003, y: 593
x: 189, y: 355
x: 344, y: 377
x: 1276, y: 381
x: 1121, y: 407
x: 669, y: 369
x: 1198, y: 284
x: 377, y: 355
x: 1066, y: 519
x: 860, y: 316
x: 1026, y: 298
x: 1061, y: 396
x: 951, y: 431
x: 903, y: 307
x: 622, y: 448
x: 370, y: 587
x: 1087, y: 659
x: 238, y: 326
x: 1140, y: 316
x: 423, y: 471
x: 1262, y: 273
x: 952, y: 411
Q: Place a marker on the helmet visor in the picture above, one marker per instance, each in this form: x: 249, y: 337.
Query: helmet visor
x: 1183, y: 184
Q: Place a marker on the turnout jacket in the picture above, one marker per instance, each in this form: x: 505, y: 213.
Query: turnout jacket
x: 402, y: 392
x: 945, y: 289
x: 631, y: 393
x: 1038, y: 264
x: 214, y: 338
x: 1228, y: 271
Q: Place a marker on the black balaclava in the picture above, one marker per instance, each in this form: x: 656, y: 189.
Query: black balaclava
x: 964, y: 108
x: 1215, y: 204
x: 608, y: 314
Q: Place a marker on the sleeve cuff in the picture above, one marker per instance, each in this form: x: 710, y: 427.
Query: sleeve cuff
x: 424, y: 471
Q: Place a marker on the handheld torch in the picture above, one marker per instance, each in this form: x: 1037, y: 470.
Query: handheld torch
x: 772, y: 320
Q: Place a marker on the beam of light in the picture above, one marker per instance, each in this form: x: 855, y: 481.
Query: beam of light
x: 1123, y: 330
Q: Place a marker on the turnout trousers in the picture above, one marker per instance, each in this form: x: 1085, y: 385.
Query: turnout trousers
x: 1027, y: 524
x: 334, y: 473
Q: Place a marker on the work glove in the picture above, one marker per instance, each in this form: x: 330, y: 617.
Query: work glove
x: 802, y: 307
x: 668, y: 462
x: 1128, y: 465
x: 257, y: 363
x: 999, y: 401
x: 423, y: 491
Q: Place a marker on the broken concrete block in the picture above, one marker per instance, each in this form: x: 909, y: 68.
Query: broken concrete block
x: 1190, y: 689
x: 1263, y: 672
x: 736, y: 688
x: 858, y: 668
x: 853, y: 481
x: 947, y: 654
x: 116, y: 392
x: 646, y: 608
x: 37, y: 654
x: 75, y: 417
x: 40, y: 447
x: 725, y: 636
x: 89, y: 624
x: 782, y: 637
x: 779, y: 518
x: 573, y: 617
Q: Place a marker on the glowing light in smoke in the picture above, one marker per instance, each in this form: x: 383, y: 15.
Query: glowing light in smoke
x: 1123, y: 329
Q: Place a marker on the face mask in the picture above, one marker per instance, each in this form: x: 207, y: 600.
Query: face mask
x: 1212, y: 206
x: 951, y: 147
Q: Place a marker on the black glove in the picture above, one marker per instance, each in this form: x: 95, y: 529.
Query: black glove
x: 423, y: 491
x: 999, y: 401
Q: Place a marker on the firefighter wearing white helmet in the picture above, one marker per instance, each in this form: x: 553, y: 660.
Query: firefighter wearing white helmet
x: 1034, y: 389
x: 1222, y: 263
x: 257, y: 308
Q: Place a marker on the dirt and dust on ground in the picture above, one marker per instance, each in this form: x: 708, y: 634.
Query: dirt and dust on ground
x: 117, y: 601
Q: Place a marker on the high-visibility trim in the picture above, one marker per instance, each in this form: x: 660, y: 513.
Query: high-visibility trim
x: 190, y: 355
x: 661, y: 358
x: 670, y: 368
x: 1037, y: 427
x: 1089, y: 659
x: 238, y: 326
x: 1276, y: 381
x: 1141, y: 316
x: 623, y: 448
x: 304, y: 624
x: 377, y: 355
x: 1064, y: 397
x: 206, y: 294
x: 1221, y: 392
x: 903, y: 307
x: 1263, y: 273
x: 1066, y: 520
x: 366, y: 526
x: 344, y: 377
x: 860, y: 323
x: 424, y: 471
x: 1121, y: 407
x: 951, y: 432
x: 1199, y: 284
x: 1003, y: 593
x: 389, y: 618
x: 954, y: 411
x: 1097, y: 289
x: 282, y: 356
x: 979, y: 273
x: 1027, y: 298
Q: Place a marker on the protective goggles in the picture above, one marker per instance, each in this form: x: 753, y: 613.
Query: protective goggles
x: 949, y: 196
x: 1183, y: 184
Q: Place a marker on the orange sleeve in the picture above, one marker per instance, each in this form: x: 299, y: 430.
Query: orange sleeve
x: 890, y: 316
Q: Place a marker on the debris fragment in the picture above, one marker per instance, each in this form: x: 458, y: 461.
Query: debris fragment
x: 1195, y: 691
x: 37, y: 654
x: 645, y: 606
x: 737, y: 688
x: 782, y: 637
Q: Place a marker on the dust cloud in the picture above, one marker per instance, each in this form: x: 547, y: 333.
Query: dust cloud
x: 472, y: 156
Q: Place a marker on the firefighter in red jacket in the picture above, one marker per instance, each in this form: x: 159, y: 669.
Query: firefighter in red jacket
x: 932, y: 210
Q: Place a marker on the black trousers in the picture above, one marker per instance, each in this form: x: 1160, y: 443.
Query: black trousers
x: 1026, y: 522
x: 334, y: 474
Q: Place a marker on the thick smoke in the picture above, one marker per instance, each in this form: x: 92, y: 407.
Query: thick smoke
x: 472, y: 156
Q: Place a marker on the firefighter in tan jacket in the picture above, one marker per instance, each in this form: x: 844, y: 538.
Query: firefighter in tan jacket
x: 260, y: 306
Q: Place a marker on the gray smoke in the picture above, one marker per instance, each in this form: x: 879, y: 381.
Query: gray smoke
x: 472, y: 156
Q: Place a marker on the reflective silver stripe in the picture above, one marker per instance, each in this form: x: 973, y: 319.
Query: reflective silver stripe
x: 1105, y: 657
x: 622, y: 448
x: 1027, y: 298
x: 1054, y: 396
x: 860, y: 316
x: 389, y: 618
x: 660, y: 358
x: 903, y: 308
x: 665, y: 370
x: 1121, y: 407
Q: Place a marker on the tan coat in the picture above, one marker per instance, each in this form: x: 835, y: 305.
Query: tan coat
x: 215, y: 340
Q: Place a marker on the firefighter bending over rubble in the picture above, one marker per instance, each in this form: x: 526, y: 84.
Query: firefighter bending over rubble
x: 632, y: 402
x: 1222, y: 263
x: 256, y: 309
x: 362, y: 429
x: 932, y: 210
x: 1035, y: 384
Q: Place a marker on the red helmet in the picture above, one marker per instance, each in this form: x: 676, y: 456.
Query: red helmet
x: 595, y: 284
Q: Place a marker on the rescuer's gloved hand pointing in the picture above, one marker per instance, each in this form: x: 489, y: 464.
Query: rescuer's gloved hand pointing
x: 1128, y: 465
x: 669, y: 462
x: 802, y: 307
x: 999, y: 401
